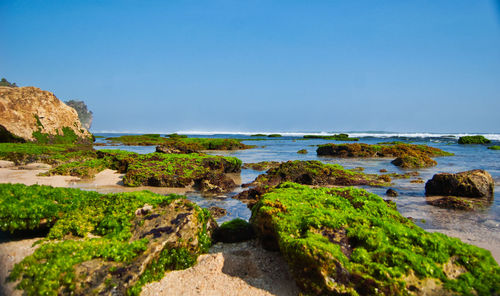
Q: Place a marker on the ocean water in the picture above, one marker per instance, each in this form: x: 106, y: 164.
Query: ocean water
x: 478, y: 227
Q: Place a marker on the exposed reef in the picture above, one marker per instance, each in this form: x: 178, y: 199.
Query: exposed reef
x: 473, y: 140
x: 347, y: 241
x: 407, y: 155
x: 205, y: 172
x: 102, y: 244
x: 314, y: 173
x: 178, y: 142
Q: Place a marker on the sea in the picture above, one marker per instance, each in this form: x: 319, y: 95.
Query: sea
x: 480, y: 227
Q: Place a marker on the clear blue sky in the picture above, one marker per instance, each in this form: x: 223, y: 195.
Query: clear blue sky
x: 265, y: 65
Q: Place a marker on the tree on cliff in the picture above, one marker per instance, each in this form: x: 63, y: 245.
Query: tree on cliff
x: 84, y: 114
x: 4, y: 82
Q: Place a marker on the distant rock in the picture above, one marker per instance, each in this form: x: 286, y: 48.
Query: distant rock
x: 475, y: 183
x: 473, y: 140
x: 31, y: 114
x: 84, y: 114
x: 391, y: 192
x: 407, y: 155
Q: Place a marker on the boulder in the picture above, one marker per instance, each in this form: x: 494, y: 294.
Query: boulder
x: 31, y: 114
x: 217, y: 212
x: 391, y: 192
x: 169, y: 229
x: 475, y: 183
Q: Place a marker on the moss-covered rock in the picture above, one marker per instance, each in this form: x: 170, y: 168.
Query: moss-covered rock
x: 104, y: 244
x: 183, y: 144
x: 494, y: 147
x: 302, y: 151
x: 347, y: 241
x: 206, y: 172
x: 313, y: 172
x: 310, y: 172
x: 236, y: 230
x: 473, y: 140
x: 407, y: 155
x: 181, y: 170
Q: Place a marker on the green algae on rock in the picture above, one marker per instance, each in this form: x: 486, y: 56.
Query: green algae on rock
x: 407, y: 155
x: 236, y: 230
x: 195, y: 144
x: 494, y: 147
x: 313, y: 172
x: 302, y: 151
x: 181, y: 170
x: 310, y: 172
x: 109, y: 243
x: 154, y: 169
x: 473, y: 140
x: 347, y: 241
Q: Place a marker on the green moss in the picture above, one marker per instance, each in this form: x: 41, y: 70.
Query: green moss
x: 314, y: 172
x: 38, y: 122
x: 408, y: 155
x: 176, y: 136
x: 347, y: 240
x: 83, y: 169
x: 176, y: 170
x: 73, y: 212
x: 473, y: 140
x: 173, y: 140
x: 68, y: 136
x: 236, y: 230
x: 494, y: 147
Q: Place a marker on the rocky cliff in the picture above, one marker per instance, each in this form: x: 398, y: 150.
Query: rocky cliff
x: 31, y: 114
x: 84, y: 114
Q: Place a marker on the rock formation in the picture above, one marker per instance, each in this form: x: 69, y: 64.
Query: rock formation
x: 475, y: 183
x: 31, y: 114
x: 463, y: 191
x: 84, y: 114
